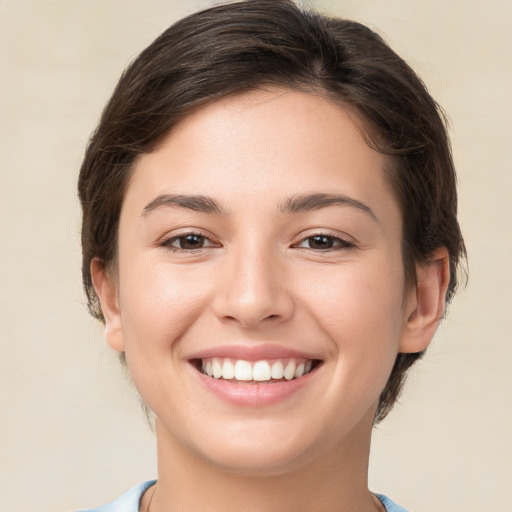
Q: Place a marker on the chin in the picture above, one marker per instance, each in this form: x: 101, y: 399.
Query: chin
x: 256, y: 447
x: 263, y: 447
x: 250, y: 459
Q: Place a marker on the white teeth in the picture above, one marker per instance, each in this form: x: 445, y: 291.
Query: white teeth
x: 217, y: 368
x: 228, y: 370
x: 261, y: 371
x: 243, y: 370
x: 277, y: 370
x: 289, y: 371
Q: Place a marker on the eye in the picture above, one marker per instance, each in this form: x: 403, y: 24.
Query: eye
x: 187, y: 242
x: 323, y: 242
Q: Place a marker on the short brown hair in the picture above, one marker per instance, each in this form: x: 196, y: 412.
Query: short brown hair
x: 242, y: 46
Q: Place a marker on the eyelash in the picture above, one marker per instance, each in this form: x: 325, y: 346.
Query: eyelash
x: 336, y: 243
x: 168, y: 242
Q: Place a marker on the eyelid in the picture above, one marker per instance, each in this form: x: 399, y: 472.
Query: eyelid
x: 167, y: 240
x: 345, y: 241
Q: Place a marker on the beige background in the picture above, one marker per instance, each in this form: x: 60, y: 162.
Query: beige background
x: 71, y: 431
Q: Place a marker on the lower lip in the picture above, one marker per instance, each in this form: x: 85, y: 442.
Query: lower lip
x: 254, y: 394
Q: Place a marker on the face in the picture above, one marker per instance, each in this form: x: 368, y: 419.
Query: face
x: 259, y: 296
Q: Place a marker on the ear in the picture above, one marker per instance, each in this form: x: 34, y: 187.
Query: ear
x: 426, y: 302
x: 106, y: 289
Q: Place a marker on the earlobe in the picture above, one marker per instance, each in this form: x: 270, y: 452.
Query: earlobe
x: 106, y: 289
x: 426, y: 303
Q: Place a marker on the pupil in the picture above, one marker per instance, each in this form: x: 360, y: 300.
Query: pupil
x: 321, y: 242
x: 191, y: 242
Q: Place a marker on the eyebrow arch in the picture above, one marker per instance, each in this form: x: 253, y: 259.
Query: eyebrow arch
x: 196, y: 203
x: 308, y: 202
x: 294, y: 204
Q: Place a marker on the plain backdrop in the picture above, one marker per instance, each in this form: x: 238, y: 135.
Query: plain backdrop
x: 72, y: 434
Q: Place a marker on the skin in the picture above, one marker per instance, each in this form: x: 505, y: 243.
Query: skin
x: 257, y: 278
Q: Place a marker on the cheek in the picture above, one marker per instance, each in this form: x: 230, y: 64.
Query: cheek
x: 159, y: 305
x: 360, y: 297
x: 159, y: 302
x: 361, y: 312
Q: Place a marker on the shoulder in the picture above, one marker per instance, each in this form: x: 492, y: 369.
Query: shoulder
x: 128, y: 502
x: 390, y: 505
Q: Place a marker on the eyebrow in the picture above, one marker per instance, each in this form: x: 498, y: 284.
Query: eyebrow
x: 295, y: 204
x: 309, y: 202
x: 202, y: 204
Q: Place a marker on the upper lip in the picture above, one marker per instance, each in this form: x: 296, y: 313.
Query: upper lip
x: 252, y: 352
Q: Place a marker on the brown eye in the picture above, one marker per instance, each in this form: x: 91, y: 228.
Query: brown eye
x: 322, y: 242
x: 187, y: 242
x: 191, y: 241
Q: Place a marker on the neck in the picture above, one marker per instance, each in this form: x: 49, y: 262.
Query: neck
x: 335, y: 481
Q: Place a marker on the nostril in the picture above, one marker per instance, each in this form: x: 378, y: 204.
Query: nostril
x: 250, y: 321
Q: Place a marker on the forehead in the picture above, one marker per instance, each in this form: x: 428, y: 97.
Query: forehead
x: 250, y: 148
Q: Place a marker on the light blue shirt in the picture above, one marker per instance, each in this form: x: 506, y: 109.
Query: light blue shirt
x: 129, y: 502
x: 389, y: 505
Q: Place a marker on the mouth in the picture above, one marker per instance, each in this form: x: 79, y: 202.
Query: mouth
x: 255, y: 376
x: 264, y: 371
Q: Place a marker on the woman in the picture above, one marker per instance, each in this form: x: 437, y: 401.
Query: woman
x: 270, y: 237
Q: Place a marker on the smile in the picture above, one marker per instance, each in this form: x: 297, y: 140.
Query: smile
x: 269, y: 371
x: 254, y: 375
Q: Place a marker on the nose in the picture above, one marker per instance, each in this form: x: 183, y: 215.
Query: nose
x: 253, y: 291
